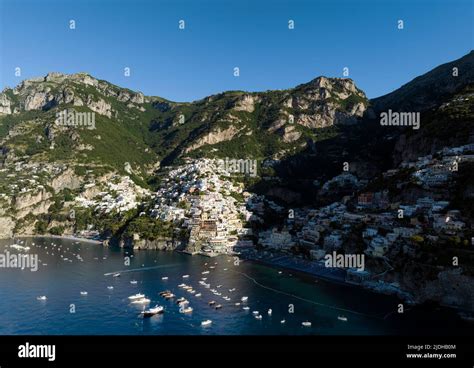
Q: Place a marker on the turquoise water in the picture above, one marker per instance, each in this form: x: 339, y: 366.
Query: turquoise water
x: 293, y: 298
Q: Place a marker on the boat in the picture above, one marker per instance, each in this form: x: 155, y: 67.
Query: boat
x: 212, y: 302
x: 270, y: 312
x: 237, y: 304
x: 198, y: 295
x: 43, y: 297
x: 110, y: 287
x: 169, y: 296
x: 181, y: 285
x: 342, y: 318
x: 152, y: 311
x: 218, y: 306
x: 187, y: 310
x: 246, y: 308
x: 185, y: 276
x: 165, y: 292
x: 136, y: 296
x: 219, y: 286
x: 141, y: 301
x: 207, y: 322
x: 116, y: 274
x: 133, y: 282
x: 204, y: 272
x: 83, y: 292
x: 164, y: 278
x: 306, y: 324
x: 244, y: 298
x: 259, y: 316
x: 255, y: 313
x: 180, y: 300
x: 226, y: 298
x: 183, y: 303
x: 283, y: 321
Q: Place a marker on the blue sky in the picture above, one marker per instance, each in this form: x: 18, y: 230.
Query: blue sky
x: 185, y: 65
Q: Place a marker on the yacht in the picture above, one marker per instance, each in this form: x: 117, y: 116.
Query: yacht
x: 136, y: 296
x: 342, y: 318
x: 133, y: 282
x: 152, y: 311
x: 212, y: 302
x: 207, y: 322
x: 259, y: 316
x: 141, y: 301
x: 205, y: 272
x: 198, y: 294
x: 255, y: 313
x: 110, y: 287
x: 43, y: 297
x: 83, y: 292
x: 218, y: 306
x: 116, y: 274
x: 306, y: 324
x: 185, y: 276
x: 246, y: 308
x: 244, y: 298
x: 164, y: 278
x: 187, y: 310
x: 283, y: 321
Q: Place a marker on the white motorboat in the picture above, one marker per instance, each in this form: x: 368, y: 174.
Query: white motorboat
x: 255, y: 313
x: 283, y: 321
x: 43, y: 297
x: 164, y: 278
x: 342, y: 318
x: 141, y: 301
x: 136, y: 296
x: 306, y: 324
x: 116, y: 274
x: 152, y: 311
x: 244, y: 298
x: 207, y: 322
x: 110, y: 287
x: 83, y: 292
x: 237, y: 304
x: 259, y: 316
x: 270, y: 312
x: 133, y: 282
x: 205, y: 272
x: 187, y: 310
x: 185, y: 276
x: 198, y: 295
x: 246, y: 308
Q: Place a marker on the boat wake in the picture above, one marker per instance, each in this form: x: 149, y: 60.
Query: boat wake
x: 141, y: 269
x: 307, y: 300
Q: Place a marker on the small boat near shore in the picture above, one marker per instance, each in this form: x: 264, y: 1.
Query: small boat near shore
x: 136, y: 296
x: 207, y: 322
x: 117, y: 274
x: 244, y: 298
x: 212, y: 302
x: 152, y: 311
x: 187, y: 310
x: 141, y: 301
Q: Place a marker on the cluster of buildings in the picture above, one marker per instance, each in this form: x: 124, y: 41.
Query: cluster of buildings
x: 372, y: 223
x: 119, y: 194
x: 201, y: 197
